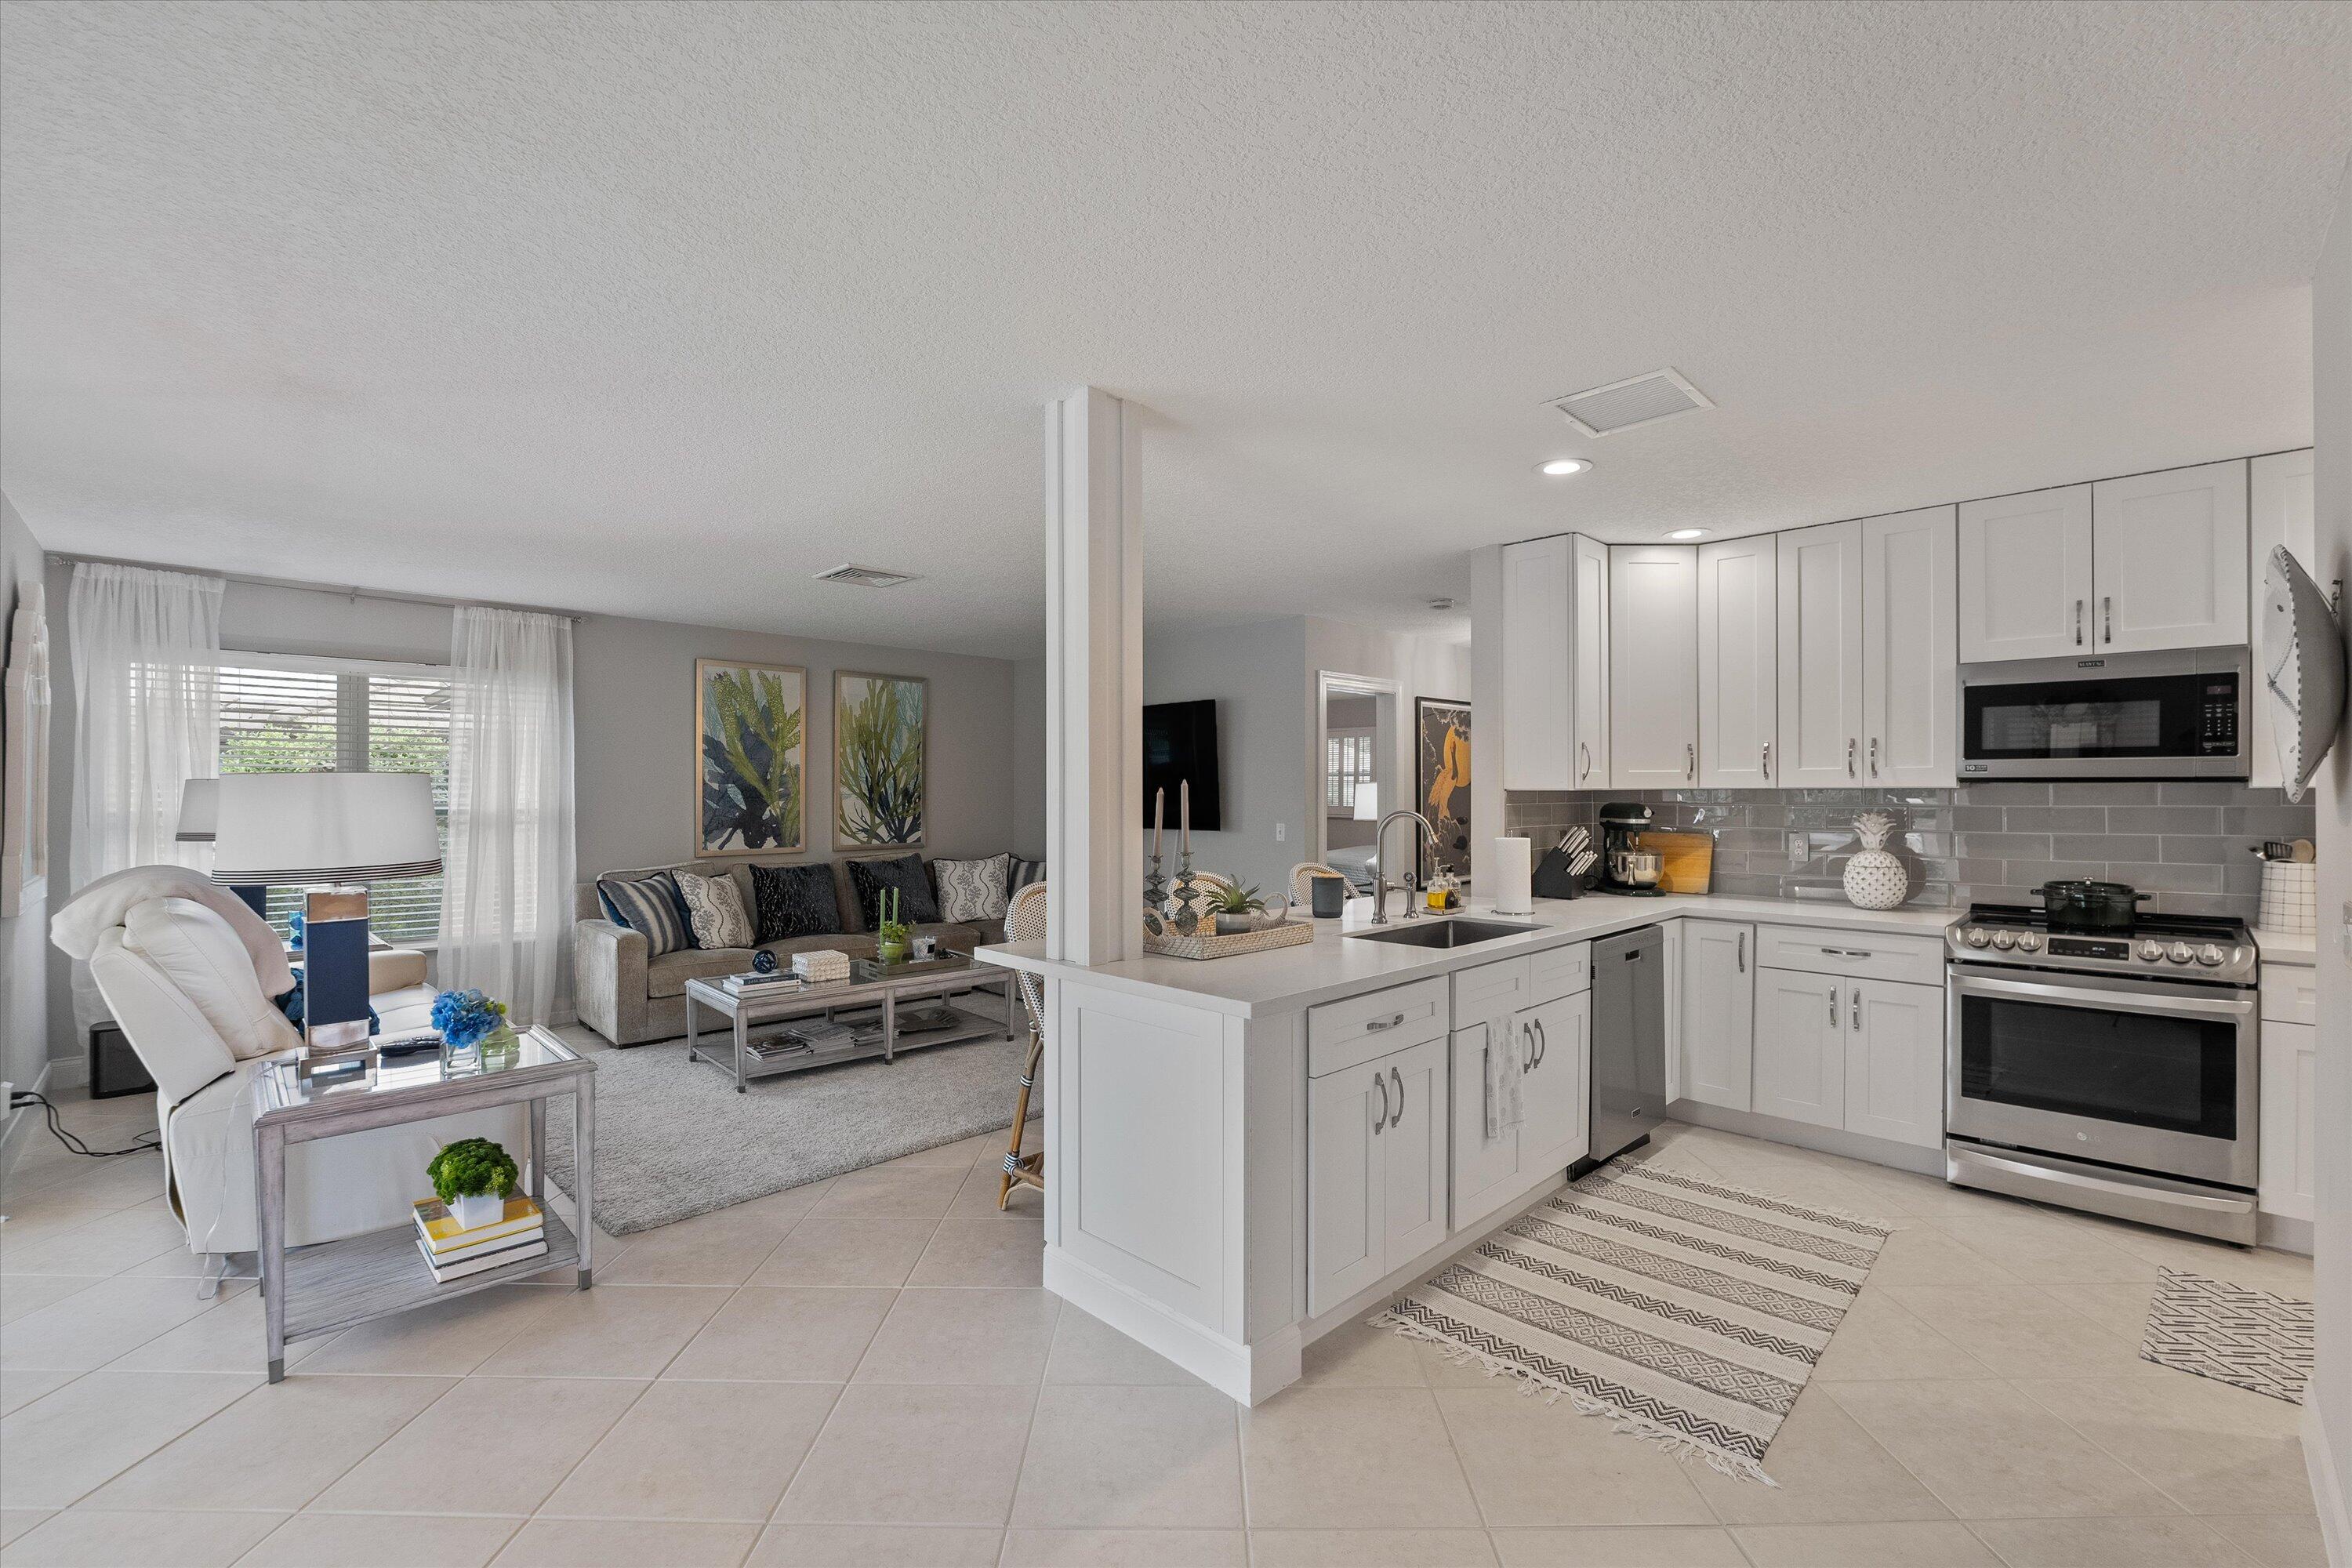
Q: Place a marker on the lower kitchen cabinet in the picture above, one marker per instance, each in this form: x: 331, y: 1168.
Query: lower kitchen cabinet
x: 1486, y: 1169
x: 1554, y: 1040
x: 1717, y: 1016
x: 1800, y: 1066
x: 1376, y: 1170
x: 1895, y: 1061
x: 2288, y: 1183
x: 1558, y: 1126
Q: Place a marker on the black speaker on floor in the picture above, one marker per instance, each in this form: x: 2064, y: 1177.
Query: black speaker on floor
x: 114, y: 1067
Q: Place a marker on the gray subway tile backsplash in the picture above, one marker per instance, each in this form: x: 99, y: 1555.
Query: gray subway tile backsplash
x: 2188, y: 844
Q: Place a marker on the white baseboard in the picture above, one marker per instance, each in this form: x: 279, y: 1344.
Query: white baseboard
x: 2286, y: 1232
x: 1804, y: 1135
x: 68, y: 1072
x: 2327, y: 1495
x: 17, y: 1127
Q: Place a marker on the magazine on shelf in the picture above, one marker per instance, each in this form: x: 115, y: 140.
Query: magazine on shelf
x: 481, y: 1262
x: 777, y: 980
x: 438, y: 1233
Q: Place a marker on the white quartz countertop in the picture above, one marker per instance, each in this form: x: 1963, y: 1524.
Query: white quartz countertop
x: 2287, y: 947
x: 1336, y: 964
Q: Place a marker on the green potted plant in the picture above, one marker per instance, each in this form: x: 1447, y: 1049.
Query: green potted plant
x: 1238, y: 908
x: 473, y: 1177
x: 891, y: 934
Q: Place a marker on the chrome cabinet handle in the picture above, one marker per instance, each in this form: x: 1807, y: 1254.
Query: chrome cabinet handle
x: 1377, y: 1025
x: 1398, y: 1114
x: 1743, y: 952
x: 2107, y: 613
x: 1583, y: 761
x: 1543, y: 1043
x: 1848, y: 952
x: 1767, y: 758
x: 2078, y: 623
x: 1381, y: 1117
x: 1874, y: 756
x: 1833, y: 1007
x: 1690, y: 759
x: 1851, y: 747
x: 1857, y: 1009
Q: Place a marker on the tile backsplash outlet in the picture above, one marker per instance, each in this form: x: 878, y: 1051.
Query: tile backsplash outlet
x: 2191, y: 844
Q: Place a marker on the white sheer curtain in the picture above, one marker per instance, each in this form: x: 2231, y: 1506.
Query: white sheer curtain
x: 506, y: 892
x: 145, y: 646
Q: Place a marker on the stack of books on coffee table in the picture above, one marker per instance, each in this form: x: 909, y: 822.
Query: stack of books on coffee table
x: 773, y: 983
x: 452, y: 1254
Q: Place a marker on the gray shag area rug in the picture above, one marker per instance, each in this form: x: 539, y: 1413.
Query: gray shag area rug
x: 674, y: 1139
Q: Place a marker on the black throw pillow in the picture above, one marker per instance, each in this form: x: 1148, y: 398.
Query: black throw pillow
x: 793, y: 900
x: 917, y: 903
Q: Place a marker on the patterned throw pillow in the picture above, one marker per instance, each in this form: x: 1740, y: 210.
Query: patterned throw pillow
x: 714, y: 908
x: 904, y: 873
x: 1024, y: 872
x: 795, y: 900
x: 971, y: 889
x: 649, y: 906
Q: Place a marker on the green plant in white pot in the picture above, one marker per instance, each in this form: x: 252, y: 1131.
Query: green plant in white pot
x: 473, y: 1177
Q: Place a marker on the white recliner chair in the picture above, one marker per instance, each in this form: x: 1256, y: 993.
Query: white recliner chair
x: 188, y: 972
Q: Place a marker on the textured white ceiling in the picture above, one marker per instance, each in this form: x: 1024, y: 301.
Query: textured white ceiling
x: 658, y: 309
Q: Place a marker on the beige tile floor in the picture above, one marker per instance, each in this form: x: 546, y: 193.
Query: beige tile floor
x: 864, y: 1371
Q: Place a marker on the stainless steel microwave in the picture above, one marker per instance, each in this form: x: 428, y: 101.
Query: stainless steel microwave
x: 2179, y: 714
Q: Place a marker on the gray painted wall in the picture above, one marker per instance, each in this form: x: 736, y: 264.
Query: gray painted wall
x: 1258, y: 674
x: 1029, y: 759
x: 24, y: 939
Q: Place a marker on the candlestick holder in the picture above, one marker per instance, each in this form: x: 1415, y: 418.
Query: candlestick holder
x: 1155, y: 900
x: 1186, y: 914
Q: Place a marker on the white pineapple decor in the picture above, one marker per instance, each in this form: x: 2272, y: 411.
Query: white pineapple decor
x: 1875, y: 877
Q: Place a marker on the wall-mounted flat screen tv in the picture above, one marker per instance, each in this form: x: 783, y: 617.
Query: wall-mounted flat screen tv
x: 1180, y: 742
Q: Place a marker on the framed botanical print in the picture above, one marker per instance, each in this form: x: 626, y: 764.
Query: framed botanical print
x: 749, y: 723
x: 1442, y: 742
x: 880, y: 759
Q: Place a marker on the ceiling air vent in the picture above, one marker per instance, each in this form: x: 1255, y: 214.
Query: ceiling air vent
x: 865, y: 576
x: 1637, y: 400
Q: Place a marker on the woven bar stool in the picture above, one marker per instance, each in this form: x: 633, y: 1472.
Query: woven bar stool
x: 1301, y: 895
x: 1026, y: 921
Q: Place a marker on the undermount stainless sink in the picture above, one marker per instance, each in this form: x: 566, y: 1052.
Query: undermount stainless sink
x: 1443, y: 933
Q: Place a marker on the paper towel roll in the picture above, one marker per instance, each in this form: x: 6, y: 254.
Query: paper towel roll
x: 1514, y: 872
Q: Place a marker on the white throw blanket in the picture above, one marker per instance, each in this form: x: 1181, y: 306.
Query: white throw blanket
x: 1505, y: 1066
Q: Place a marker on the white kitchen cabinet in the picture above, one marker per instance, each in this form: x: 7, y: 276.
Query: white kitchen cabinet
x: 1738, y: 648
x: 1486, y: 1169
x: 1652, y: 666
x: 1376, y: 1170
x: 2279, y: 512
x: 2169, y: 559
x: 1556, y: 1130
x: 2026, y: 583
x: 2288, y: 1183
x: 1895, y: 1061
x: 1800, y: 1066
x: 1910, y: 650
x: 1589, y: 656
x: 1717, y: 1016
x: 1820, y: 662
x: 1538, y: 711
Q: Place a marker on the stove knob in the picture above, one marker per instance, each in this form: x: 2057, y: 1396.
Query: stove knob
x: 2029, y: 942
x: 2004, y: 940
x: 2151, y: 952
x: 2211, y: 955
x: 1976, y: 936
x: 2181, y: 952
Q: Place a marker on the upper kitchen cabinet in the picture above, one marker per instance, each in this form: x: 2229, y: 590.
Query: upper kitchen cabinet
x: 2280, y: 512
x: 1652, y: 666
x: 1555, y: 663
x: 1821, y: 658
x: 2169, y: 559
x: 1737, y: 646
x: 1910, y: 687
x: 2026, y: 585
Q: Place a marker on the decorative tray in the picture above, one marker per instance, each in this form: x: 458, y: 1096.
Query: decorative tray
x: 1204, y: 945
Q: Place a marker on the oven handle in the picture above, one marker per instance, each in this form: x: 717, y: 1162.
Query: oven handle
x: 2120, y: 1189
x: 2128, y: 996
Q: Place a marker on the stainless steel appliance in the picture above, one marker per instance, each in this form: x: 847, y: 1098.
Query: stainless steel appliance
x: 1625, y: 869
x: 2180, y: 714
x: 2115, y: 1072
x: 1629, y: 1043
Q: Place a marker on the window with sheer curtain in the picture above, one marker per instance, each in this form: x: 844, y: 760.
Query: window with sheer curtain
x: 299, y: 713
x: 1347, y: 767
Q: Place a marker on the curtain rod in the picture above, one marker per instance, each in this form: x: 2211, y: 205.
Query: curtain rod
x: 64, y: 557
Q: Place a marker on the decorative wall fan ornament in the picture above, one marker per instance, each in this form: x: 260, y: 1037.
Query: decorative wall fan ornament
x: 2302, y: 667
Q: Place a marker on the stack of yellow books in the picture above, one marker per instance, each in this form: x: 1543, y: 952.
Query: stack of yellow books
x: 452, y: 1254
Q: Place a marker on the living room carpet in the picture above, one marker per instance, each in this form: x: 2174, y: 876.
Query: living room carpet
x: 674, y: 1139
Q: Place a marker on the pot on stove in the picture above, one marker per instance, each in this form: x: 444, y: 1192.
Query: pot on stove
x: 2091, y: 906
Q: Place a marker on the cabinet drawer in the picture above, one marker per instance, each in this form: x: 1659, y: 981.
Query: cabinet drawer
x: 1490, y: 991
x: 1342, y: 1034
x: 2290, y: 993
x: 1917, y: 961
x: 1562, y: 972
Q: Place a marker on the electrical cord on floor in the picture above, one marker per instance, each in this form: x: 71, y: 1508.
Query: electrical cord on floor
x: 58, y: 1130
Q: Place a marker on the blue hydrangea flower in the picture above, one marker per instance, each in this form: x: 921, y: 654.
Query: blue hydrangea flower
x: 466, y: 1016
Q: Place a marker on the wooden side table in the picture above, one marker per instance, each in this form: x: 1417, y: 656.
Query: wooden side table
x: 334, y: 1284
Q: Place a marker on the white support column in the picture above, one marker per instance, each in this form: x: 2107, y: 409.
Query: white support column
x: 1486, y: 736
x: 1094, y: 678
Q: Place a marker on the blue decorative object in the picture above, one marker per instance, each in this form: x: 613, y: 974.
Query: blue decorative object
x: 763, y: 963
x: 294, y: 924
x: 466, y: 1017
x: 295, y: 1008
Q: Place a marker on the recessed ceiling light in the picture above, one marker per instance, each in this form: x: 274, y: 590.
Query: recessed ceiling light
x: 1561, y: 467
x: 1687, y: 533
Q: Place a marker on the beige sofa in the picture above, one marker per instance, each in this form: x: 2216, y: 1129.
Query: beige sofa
x: 630, y: 999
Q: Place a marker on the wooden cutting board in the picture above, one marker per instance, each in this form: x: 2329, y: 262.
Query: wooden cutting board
x: 1688, y: 858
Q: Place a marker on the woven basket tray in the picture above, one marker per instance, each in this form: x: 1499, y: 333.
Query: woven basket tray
x: 1290, y: 934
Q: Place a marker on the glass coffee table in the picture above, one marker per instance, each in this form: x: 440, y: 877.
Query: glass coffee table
x: 876, y: 1011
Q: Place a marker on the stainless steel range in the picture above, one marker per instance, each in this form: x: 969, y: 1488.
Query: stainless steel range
x: 2112, y: 1070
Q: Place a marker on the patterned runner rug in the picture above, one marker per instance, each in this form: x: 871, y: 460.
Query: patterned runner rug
x: 1689, y: 1310
x: 2250, y: 1338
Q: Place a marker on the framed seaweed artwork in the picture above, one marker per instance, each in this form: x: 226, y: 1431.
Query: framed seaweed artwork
x: 749, y: 721
x: 879, y: 758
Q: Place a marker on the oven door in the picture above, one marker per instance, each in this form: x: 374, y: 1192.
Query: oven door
x: 2178, y: 714
x: 2147, y: 1074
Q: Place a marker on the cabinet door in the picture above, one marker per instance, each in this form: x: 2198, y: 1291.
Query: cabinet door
x: 1412, y: 1155
x: 2289, y: 1122
x: 1895, y: 1061
x: 1557, y: 1130
x: 2279, y: 511
x: 1347, y: 1127
x: 1820, y: 627
x: 1486, y: 1169
x: 2168, y: 556
x: 1800, y: 1047
x: 2025, y: 576
x: 1652, y: 666
x: 1589, y: 667
x: 1718, y: 1013
x: 1910, y: 650
x: 1738, y: 609
x: 1536, y: 713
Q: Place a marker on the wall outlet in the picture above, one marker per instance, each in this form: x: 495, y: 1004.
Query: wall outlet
x: 1800, y: 850
x: 1281, y: 831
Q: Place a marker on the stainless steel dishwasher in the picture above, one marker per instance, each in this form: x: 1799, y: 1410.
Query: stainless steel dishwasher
x: 1629, y: 1042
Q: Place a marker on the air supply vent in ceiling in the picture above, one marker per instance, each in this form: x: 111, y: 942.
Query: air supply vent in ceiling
x: 865, y: 576
x: 1637, y: 400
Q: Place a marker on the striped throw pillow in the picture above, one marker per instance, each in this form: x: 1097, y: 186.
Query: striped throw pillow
x: 1024, y: 872
x: 649, y: 906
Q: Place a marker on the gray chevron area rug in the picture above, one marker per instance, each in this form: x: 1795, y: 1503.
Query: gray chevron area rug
x: 1688, y: 1311
x: 2248, y: 1338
